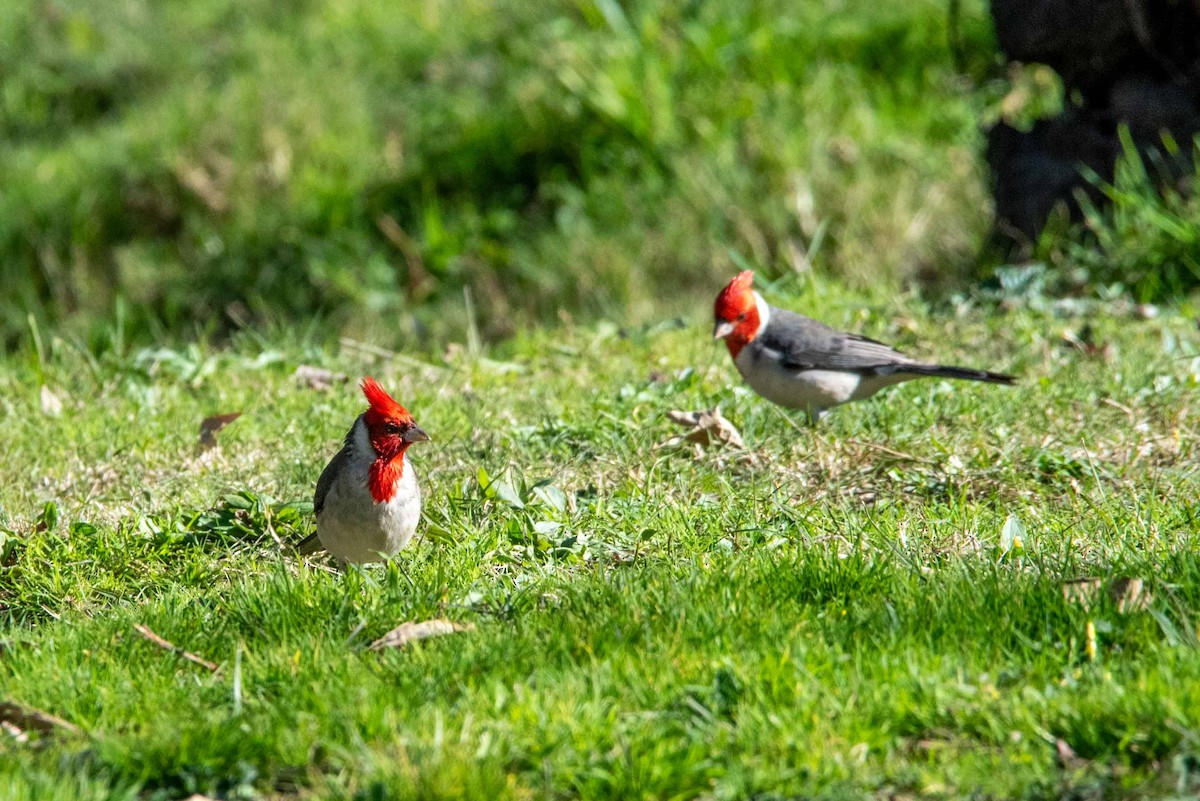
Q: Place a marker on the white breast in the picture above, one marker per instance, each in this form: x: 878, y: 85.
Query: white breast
x: 353, y: 527
x: 810, y: 390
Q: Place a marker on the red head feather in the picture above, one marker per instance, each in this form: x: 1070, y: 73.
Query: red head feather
x: 736, y: 313
x: 383, y: 407
x: 391, y: 430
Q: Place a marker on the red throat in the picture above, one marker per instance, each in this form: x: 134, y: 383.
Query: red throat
x: 384, y: 474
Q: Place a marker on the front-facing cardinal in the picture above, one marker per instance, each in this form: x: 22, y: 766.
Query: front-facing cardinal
x: 803, y: 364
x: 367, y: 501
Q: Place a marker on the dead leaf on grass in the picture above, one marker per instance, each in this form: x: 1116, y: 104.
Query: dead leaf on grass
x: 412, y: 631
x: 708, y: 427
x: 1085, y: 343
x: 52, y: 405
x: 1065, y: 755
x: 209, y: 427
x: 1129, y: 594
x: 318, y: 378
x: 209, y: 182
x: 18, y: 721
x: 1082, y: 591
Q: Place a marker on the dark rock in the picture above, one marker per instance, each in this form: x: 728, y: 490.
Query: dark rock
x: 1032, y: 171
x: 1152, y: 107
x: 1122, y: 62
x: 1078, y: 40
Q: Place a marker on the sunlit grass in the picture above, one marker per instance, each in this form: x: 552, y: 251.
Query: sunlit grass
x: 229, y: 160
x: 835, y: 613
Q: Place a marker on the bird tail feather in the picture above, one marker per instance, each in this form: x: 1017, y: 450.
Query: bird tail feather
x: 964, y: 373
x: 309, y: 545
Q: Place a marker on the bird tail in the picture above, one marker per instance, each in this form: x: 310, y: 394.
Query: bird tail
x: 964, y: 373
x: 309, y: 545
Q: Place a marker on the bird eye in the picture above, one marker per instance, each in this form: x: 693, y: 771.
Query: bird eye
x: 391, y: 428
x: 741, y: 317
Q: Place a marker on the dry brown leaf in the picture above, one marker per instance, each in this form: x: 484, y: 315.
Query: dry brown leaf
x: 209, y: 183
x: 1083, y: 591
x: 708, y: 427
x: 1128, y: 594
x: 52, y: 405
x: 932, y: 744
x: 209, y: 427
x: 1085, y: 343
x: 411, y: 631
x: 19, y: 720
x: 318, y: 378
x: 13, y: 732
x: 1066, y: 756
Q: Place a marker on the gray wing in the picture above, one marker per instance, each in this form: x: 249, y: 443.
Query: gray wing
x: 311, y: 543
x: 805, y: 344
x: 337, y: 464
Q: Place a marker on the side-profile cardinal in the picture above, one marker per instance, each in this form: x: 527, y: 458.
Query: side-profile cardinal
x: 367, y: 501
x: 802, y: 364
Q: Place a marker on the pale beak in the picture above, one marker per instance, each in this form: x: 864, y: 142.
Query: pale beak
x: 722, y: 329
x: 415, y: 434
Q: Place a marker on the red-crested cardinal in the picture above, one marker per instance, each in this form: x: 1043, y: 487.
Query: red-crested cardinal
x: 803, y: 364
x: 367, y: 501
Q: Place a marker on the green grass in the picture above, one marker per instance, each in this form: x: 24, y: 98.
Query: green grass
x: 837, y: 613
x: 1146, y: 241
x: 834, y: 617
x: 218, y: 161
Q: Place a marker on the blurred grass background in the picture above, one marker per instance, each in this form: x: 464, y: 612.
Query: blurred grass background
x: 185, y: 168
x: 209, y: 163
